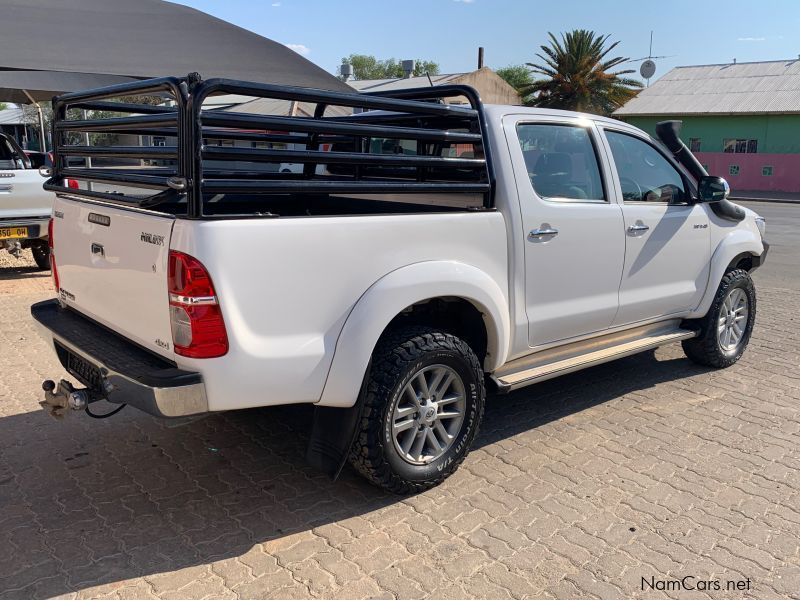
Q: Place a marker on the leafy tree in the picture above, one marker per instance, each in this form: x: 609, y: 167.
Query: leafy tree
x: 517, y: 76
x: 578, y: 76
x: 369, y: 67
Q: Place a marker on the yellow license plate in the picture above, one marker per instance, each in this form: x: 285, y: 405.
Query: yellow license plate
x: 10, y: 233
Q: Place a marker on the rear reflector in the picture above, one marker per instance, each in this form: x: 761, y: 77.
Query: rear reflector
x: 50, y: 240
x: 198, y: 330
x: 71, y: 183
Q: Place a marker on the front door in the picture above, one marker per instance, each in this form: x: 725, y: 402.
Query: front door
x: 574, y: 252
x: 667, y: 241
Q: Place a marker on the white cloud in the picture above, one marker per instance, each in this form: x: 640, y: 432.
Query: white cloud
x: 465, y: 1
x: 299, y: 48
x: 750, y: 39
x: 276, y: 4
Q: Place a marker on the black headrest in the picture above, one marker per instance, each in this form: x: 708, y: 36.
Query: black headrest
x: 553, y: 164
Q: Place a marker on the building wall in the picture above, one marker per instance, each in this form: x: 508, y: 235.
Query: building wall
x: 778, y: 147
x: 746, y: 171
x: 776, y: 134
x: 492, y: 88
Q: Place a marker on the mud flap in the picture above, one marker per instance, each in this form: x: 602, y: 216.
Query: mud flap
x: 332, y: 435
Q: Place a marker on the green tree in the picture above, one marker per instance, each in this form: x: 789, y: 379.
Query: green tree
x: 577, y: 75
x: 369, y: 67
x: 517, y: 76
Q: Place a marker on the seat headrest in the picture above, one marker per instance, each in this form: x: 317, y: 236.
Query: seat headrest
x: 553, y: 164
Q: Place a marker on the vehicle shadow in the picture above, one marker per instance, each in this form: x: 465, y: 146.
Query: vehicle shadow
x: 22, y: 272
x: 85, y: 503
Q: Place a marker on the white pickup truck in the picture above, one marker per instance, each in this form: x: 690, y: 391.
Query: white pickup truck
x: 25, y: 207
x: 503, y: 246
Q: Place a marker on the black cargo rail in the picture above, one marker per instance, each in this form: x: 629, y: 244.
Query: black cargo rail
x: 407, y: 146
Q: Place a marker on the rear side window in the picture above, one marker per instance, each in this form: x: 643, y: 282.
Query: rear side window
x: 561, y: 162
x: 644, y: 174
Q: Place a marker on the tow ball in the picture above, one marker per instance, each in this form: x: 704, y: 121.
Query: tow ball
x: 61, y: 398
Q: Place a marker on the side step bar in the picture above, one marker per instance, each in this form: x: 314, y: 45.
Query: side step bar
x: 553, y: 362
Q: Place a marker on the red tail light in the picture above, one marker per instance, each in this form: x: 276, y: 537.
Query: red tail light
x: 50, y: 242
x: 198, y: 330
x: 71, y: 183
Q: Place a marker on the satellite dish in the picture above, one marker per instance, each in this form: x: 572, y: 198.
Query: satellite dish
x: 647, y: 69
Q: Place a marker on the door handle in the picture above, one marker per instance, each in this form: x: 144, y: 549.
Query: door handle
x: 537, y: 233
x: 638, y: 227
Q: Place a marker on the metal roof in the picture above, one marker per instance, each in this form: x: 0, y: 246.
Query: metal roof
x: 12, y: 115
x: 285, y: 108
x: 402, y: 83
x: 740, y: 88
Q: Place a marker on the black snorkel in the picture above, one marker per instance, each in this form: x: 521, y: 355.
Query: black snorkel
x: 669, y: 134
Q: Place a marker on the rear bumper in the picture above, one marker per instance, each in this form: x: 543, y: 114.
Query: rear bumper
x: 96, y: 356
x: 37, y: 227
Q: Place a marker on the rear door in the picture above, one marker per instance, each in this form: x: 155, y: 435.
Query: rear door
x: 666, y: 235
x: 112, y: 267
x: 573, y: 251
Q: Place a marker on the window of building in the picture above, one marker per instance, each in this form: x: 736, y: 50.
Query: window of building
x: 733, y: 170
x: 159, y: 140
x: 739, y: 146
x: 694, y: 144
x: 766, y: 171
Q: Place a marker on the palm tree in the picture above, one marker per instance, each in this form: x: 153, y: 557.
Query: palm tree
x: 577, y: 75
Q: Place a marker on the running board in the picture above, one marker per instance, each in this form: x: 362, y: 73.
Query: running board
x: 553, y: 362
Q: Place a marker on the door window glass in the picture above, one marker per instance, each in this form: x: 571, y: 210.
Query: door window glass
x: 561, y: 161
x: 644, y: 174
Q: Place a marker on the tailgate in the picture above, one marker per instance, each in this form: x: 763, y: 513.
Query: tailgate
x: 22, y: 195
x: 112, y: 267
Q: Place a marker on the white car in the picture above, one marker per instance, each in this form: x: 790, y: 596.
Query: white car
x: 512, y: 245
x: 25, y: 206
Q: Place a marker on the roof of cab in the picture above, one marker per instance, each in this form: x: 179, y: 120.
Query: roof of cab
x: 497, y: 111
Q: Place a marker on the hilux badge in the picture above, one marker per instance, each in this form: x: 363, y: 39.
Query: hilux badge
x: 152, y: 238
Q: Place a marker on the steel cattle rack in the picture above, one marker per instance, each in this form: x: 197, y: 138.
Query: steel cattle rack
x: 344, y: 154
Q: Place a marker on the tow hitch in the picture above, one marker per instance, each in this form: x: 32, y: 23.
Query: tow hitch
x: 14, y: 248
x: 59, y: 399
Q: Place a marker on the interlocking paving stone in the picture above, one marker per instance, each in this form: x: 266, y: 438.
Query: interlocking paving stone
x: 578, y: 487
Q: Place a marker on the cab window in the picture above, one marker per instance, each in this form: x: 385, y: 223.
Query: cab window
x: 645, y: 175
x: 561, y: 161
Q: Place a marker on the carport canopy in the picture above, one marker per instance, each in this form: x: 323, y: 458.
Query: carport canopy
x: 71, y: 43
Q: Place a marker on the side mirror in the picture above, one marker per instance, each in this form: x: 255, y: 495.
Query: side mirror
x: 712, y: 189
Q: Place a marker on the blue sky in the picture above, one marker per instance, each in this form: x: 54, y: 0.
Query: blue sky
x: 450, y: 31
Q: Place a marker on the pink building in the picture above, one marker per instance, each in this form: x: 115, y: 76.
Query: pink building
x: 742, y: 120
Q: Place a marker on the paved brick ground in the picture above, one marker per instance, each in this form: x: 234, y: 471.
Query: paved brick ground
x: 579, y: 487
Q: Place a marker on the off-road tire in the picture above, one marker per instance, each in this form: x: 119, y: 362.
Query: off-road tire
x: 41, y: 254
x: 705, y: 348
x: 398, y: 356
